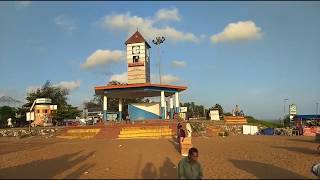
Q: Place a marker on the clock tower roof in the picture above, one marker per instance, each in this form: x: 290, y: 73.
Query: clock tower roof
x: 137, y: 38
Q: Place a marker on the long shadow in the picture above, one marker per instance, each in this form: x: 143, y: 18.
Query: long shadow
x: 168, y: 170
x: 138, y: 166
x: 149, y: 171
x: 175, y: 144
x: 265, y: 171
x: 304, y: 140
x: 16, y: 147
x: 77, y: 173
x: 48, y: 168
x: 298, y: 149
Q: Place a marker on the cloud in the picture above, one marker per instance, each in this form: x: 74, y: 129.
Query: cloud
x: 168, y: 14
x: 242, y: 30
x: 165, y: 79
x: 70, y: 85
x: 202, y: 36
x: 22, y: 4
x: 168, y: 78
x: 103, y: 57
x: 146, y: 26
x: 122, y: 78
x: 178, y: 64
x: 65, y: 23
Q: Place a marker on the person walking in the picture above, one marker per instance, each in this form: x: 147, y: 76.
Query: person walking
x: 189, y: 167
x: 189, y: 129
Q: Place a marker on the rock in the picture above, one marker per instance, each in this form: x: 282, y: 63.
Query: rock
x: 86, y: 172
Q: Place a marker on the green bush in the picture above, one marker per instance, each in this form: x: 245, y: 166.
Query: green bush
x: 252, y: 120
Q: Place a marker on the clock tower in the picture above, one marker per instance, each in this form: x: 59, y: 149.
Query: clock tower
x: 138, y: 59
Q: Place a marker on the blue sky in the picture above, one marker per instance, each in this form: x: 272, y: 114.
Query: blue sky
x: 253, y: 54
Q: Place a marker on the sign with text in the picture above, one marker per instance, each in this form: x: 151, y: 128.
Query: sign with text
x: 183, y: 109
x: 30, y: 116
x: 214, y: 115
x: 292, y: 109
x: 43, y: 100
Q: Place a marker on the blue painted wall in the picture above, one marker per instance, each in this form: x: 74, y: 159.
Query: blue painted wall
x: 137, y: 114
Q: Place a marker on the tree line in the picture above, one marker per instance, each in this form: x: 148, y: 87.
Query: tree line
x: 59, y: 96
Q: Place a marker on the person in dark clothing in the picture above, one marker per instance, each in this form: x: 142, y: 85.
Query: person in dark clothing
x: 189, y: 167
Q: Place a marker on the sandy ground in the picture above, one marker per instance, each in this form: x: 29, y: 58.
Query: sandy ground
x: 230, y: 157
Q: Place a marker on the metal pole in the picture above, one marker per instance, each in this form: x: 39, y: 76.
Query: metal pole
x: 317, y: 104
x: 159, y: 60
x: 284, y: 110
x: 157, y: 42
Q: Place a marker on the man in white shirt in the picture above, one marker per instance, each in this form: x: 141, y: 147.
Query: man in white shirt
x: 189, y: 129
x: 9, y: 122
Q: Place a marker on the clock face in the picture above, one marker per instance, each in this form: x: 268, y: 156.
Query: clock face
x: 135, y: 49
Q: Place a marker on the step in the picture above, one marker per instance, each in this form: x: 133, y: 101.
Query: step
x: 145, y: 127
x: 146, y: 137
x: 145, y: 131
x: 83, y: 130
x: 75, y: 137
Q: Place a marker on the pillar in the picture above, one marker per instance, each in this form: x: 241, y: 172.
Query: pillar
x: 171, y: 107
x: 177, y: 102
x: 105, y: 106
x: 120, y: 109
x: 163, y: 106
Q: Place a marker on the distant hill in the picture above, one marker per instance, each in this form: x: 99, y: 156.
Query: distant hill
x: 9, y: 101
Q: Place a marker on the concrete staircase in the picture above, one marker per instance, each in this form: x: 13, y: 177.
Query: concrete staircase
x: 80, y: 133
x: 235, y: 120
x: 146, y: 132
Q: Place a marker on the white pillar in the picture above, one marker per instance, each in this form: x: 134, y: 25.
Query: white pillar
x: 171, y: 107
x: 177, y: 101
x: 163, y: 115
x: 105, y: 106
x: 120, y: 109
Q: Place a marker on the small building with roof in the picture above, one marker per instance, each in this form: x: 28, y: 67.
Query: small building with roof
x: 139, y: 86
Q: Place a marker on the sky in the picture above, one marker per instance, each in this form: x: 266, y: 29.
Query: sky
x: 251, y: 54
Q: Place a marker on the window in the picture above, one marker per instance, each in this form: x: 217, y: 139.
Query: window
x: 44, y: 111
x: 38, y: 111
x: 135, y: 59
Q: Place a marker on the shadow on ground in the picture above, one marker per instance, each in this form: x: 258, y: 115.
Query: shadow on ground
x: 265, y: 171
x: 175, y: 144
x: 23, y: 146
x: 298, y: 149
x: 304, y: 140
x: 48, y: 168
x: 168, y: 170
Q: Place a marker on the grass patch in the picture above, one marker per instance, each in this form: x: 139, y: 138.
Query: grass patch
x: 253, y: 121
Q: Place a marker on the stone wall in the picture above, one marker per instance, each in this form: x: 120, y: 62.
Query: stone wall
x: 21, y: 133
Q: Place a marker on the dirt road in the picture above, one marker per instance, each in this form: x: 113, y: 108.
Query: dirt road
x: 230, y: 157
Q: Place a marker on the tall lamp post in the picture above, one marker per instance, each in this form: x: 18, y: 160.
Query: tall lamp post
x: 158, y: 41
x: 284, y: 110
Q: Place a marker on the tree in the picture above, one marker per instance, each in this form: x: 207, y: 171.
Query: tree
x: 58, y: 96
x: 219, y: 108
x: 5, y: 113
x: 193, y: 109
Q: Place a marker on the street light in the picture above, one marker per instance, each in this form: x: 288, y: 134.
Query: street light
x: 157, y: 42
x: 284, y: 110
